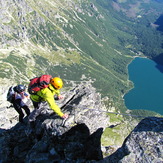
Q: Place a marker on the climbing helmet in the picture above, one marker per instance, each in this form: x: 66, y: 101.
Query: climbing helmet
x: 20, y: 88
x: 57, y: 82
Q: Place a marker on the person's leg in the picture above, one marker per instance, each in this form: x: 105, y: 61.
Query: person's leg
x: 37, y: 110
x: 17, y: 107
x: 25, y: 107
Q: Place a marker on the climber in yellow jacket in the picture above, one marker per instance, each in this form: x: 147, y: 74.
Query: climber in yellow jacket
x: 47, y: 94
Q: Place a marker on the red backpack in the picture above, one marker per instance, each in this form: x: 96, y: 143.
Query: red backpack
x: 38, y: 83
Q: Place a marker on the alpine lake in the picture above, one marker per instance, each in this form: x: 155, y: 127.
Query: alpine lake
x: 147, y: 93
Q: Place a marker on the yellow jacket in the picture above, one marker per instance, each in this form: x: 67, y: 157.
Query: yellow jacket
x: 47, y: 94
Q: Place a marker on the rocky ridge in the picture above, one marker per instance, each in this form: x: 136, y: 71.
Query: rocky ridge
x: 55, y: 139
x: 78, y: 139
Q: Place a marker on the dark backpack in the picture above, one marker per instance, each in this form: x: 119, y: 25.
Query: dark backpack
x: 10, y: 94
x: 38, y: 83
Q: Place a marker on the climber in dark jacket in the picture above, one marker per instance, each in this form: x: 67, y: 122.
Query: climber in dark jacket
x: 18, y: 101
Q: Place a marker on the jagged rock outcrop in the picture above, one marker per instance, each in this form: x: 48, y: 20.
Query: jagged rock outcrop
x: 143, y: 145
x: 52, y: 139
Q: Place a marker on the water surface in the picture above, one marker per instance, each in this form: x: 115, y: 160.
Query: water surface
x: 147, y: 93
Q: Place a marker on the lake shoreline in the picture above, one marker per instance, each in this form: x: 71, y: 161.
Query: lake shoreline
x: 128, y: 73
x: 147, y: 104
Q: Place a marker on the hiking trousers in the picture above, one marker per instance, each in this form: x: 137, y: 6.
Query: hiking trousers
x: 18, y: 107
x: 36, y: 112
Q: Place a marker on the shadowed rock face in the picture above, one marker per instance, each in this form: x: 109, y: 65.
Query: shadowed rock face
x: 78, y: 138
x: 144, y: 144
x: 75, y: 144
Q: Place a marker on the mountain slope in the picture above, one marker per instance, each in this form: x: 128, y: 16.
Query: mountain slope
x: 52, y: 37
x: 80, y: 41
x: 87, y: 37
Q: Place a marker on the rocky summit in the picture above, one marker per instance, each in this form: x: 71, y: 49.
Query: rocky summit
x: 78, y: 139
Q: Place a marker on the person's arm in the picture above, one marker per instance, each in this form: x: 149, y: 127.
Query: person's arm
x: 55, y: 108
x: 48, y: 96
x: 59, y: 96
